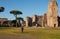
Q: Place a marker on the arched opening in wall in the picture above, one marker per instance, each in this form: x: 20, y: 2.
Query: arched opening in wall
x: 54, y: 25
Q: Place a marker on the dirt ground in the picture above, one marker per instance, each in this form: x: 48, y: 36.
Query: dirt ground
x: 16, y: 37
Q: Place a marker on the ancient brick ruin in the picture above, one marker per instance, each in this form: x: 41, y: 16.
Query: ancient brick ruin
x: 49, y: 19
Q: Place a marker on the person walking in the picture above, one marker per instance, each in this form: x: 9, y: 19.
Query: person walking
x: 22, y: 28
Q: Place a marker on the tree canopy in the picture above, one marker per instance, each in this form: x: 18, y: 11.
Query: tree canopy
x: 2, y: 9
x: 15, y: 12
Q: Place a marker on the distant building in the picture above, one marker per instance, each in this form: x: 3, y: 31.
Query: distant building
x: 40, y: 21
x: 34, y: 20
x: 28, y: 21
x: 49, y: 19
x: 3, y: 21
x: 52, y: 15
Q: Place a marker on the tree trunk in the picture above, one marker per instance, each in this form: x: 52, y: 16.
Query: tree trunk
x: 19, y: 22
x: 16, y: 20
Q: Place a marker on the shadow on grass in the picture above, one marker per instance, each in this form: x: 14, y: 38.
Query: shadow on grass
x: 21, y: 32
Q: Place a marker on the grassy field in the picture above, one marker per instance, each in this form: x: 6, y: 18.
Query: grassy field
x: 30, y: 33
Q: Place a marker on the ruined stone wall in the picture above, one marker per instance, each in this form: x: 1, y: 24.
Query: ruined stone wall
x: 45, y: 20
x: 52, y: 15
x: 34, y: 20
x: 28, y: 21
x: 40, y: 21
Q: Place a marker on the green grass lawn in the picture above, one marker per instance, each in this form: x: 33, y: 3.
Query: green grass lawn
x: 38, y: 33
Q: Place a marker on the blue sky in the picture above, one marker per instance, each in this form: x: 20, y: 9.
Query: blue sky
x: 28, y: 7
